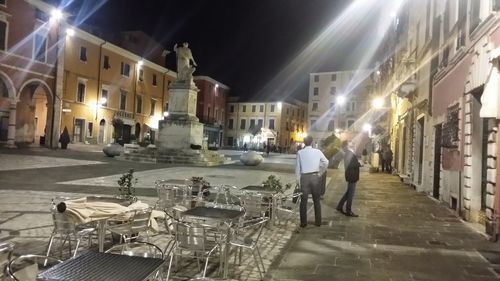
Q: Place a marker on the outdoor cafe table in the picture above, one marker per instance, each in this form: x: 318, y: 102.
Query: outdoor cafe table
x: 93, y: 266
x: 216, y: 215
x: 113, y: 207
x: 266, y: 192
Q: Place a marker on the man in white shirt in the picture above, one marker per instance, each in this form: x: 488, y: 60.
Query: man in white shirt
x: 311, y: 163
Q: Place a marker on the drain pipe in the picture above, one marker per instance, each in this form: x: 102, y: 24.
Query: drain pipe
x: 496, y: 202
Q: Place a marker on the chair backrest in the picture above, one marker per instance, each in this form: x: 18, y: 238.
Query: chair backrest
x: 290, y: 202
x: 255, y: 204
x: 6, y: 250
x: 170, y: 195
x: 26, y: 267
x: 190, y: 237
x: 137, y: 249
x: 254, y: 224
x: 140, y: 220
x: 62, y: 223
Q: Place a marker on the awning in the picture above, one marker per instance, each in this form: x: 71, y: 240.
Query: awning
x: 490, y: 102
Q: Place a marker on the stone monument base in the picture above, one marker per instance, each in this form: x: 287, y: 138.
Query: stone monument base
x: 179, y: 133
x: 191, y: 157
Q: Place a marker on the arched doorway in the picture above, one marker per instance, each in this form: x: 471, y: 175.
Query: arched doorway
x: 32, y: 114
x: 102, y: 131
x: 4, y: 111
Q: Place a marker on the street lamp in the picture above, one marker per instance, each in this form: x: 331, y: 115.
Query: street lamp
x: 341, y: 100
x: 367, y: 128
x: 99, y: 104
x: 70, y: 32
x: 56, y: 14
x: 378, y: 103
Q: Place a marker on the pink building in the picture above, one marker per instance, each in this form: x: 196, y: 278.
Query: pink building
x: 210, y: 108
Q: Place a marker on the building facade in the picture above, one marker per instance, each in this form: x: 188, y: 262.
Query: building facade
x: 211, y: 108
x: 109, y: 93
x: 337, y: 102
x: 442, y: 78
x: 29, y: 104
x: 281, y: 124
x: 55, y: 76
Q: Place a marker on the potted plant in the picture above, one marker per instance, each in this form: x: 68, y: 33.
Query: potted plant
x: 126, y: 186
x: 275, y: 184
x: 198, y: 183
x: 64, y: 139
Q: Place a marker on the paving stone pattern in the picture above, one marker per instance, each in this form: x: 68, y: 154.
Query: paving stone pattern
x: 399, y: 235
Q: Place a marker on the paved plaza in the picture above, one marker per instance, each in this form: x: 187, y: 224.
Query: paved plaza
x: 400, y: 234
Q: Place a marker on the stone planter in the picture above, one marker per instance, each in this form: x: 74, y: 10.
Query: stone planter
x: 112, y: 150
x: 251, y: 158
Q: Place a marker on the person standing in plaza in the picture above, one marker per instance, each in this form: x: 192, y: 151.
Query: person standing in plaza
x: 310, y: 165
x: 388, y: 158
x: 351, y: 166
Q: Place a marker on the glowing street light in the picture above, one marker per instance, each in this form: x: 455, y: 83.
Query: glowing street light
x: 165, y: 114
x: 70, y: 32
x: 341, y: 100
x: 280, y: 105
x: 56, y: 14
x: 216, y: 86
x: 378, y: 103
x: 140, y: 63
x: 103, y: 101
x: 367, y: 127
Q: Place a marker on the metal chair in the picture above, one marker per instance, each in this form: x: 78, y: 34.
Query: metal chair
x: 137, y: 221
x: 256, y: 205
x: 6, y: 250
x: 65, y: 229
x: 191, y: 240
x: 287, y: 208
x: 26, y: 267
x: 243, y: 240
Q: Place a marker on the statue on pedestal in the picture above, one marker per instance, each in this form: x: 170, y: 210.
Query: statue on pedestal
x: 184, y: 58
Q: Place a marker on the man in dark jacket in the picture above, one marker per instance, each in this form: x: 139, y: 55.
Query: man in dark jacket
x: 351, y: 165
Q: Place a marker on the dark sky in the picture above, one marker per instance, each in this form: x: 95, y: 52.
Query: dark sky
x: 244, y: 44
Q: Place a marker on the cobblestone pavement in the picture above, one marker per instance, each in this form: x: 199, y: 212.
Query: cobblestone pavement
x: 399, y: 235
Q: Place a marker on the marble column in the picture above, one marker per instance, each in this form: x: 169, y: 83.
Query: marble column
x: 11, y: 133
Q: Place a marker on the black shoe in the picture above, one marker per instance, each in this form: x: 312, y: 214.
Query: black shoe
x: 351, y: 214
x: 318, y: 225
x: 303, y: 225
x: 340, y: 211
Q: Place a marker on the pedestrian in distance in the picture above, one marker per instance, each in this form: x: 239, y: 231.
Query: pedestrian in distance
x: 351, y: 166
x: 311, y: 163
x: 388, y: 158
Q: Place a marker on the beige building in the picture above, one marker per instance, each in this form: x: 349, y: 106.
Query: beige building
x: 281, y: 123
x: 337, y: 101
x: 103, y: 83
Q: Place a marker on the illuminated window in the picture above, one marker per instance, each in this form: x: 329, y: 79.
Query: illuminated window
x: 83, y: 54
x: 125, y: 69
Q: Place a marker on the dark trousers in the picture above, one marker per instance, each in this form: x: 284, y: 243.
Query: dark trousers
x: 386, y: 165
x: 347, y: 198
x: 310, y: 184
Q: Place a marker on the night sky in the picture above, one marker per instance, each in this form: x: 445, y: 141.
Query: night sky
x: 241, y: 43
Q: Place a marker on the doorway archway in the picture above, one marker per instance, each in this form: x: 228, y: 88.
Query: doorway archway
x: 33, y: 112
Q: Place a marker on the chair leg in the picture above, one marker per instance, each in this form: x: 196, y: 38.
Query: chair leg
x: 260, y: 257
x: 170, y: 264
x: 51, y: 240
x: 257, y: 264
x: 240, y: 254
x: 78, y: 240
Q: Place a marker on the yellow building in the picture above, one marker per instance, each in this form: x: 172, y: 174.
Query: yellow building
x: 102, y: 84
x: 282, y: 124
